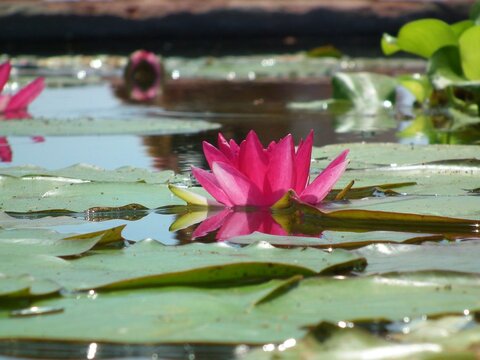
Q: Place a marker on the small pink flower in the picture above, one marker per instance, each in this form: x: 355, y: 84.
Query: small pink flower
x: 18, y: 103
x: 250, y: 175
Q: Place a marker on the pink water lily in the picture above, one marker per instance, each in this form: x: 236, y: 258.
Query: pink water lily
x: 17, y: 103
x: 247, y: 174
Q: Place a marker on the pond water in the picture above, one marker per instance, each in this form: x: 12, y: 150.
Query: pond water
x: 176, y: 152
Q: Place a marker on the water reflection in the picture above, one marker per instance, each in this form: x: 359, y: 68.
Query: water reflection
x: 227, y: 223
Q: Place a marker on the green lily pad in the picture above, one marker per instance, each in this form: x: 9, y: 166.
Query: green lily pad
x: 26, y: 242
x: 461, y: 257
x: 149, y: 263
x: 89, y: 126
x: 92, y: 173
x: 26, y: 286
x: 230, y: 316
x: 40, y: 193
x: 337, y: 239
x: 10, y: 222
x: 329, y: 342
x: 363, y: 155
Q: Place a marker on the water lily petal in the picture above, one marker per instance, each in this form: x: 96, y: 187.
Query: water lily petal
x: 5, y: 150
x: 190, y: 218
x: 213, y: 187
x: 223, y: 145
x: 212, y: 154
x: 321, y: 186
x: 211, y: 224
x: 188, y: 196
x: 281, y: 172
x: 253, y: 161
x: 239, y: 189
x: 26, y: 95
x: 5, y: 69
x: 302, y: 163
x: 4, y: 100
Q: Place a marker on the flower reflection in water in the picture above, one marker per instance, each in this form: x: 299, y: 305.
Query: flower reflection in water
x: 14, y: 107
x: 228, y: 223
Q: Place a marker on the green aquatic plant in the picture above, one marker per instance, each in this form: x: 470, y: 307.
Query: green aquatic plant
x: 452, y: 52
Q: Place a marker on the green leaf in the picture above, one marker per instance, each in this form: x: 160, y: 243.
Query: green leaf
x: 389, y: 44
x: 26, y: 242
x: 459, y: 27
x: 148, y: 263
x: 92, y: 173
x: 24, y: 286
x: 330, y: 342
x: 418, y: 85
x: 445, y: 69
x: 475, y: 12
x: 469, y: 44
x: 460, y: 257
x: 337, y: 239
x: 42, y: 193
x: 424, y: 37
x: 229, y: 316
x: 365, y: 155
x: 89, y: 126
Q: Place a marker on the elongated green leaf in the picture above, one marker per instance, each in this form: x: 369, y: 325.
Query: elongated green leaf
x: 149, y: 263
x: 228, y: 316
x: 63, y: 127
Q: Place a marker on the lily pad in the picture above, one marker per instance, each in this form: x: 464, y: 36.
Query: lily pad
x: 149, y: 263
x: 363, y: 155
x: 330, y: 342
x: 461, y: 257
x: 26, y: 242
x: 26, y: 286
x: 230, y: 316
x: 40, y: 193
x: 92, y: 173
x: 337, y: 239
x: 90, y: 126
